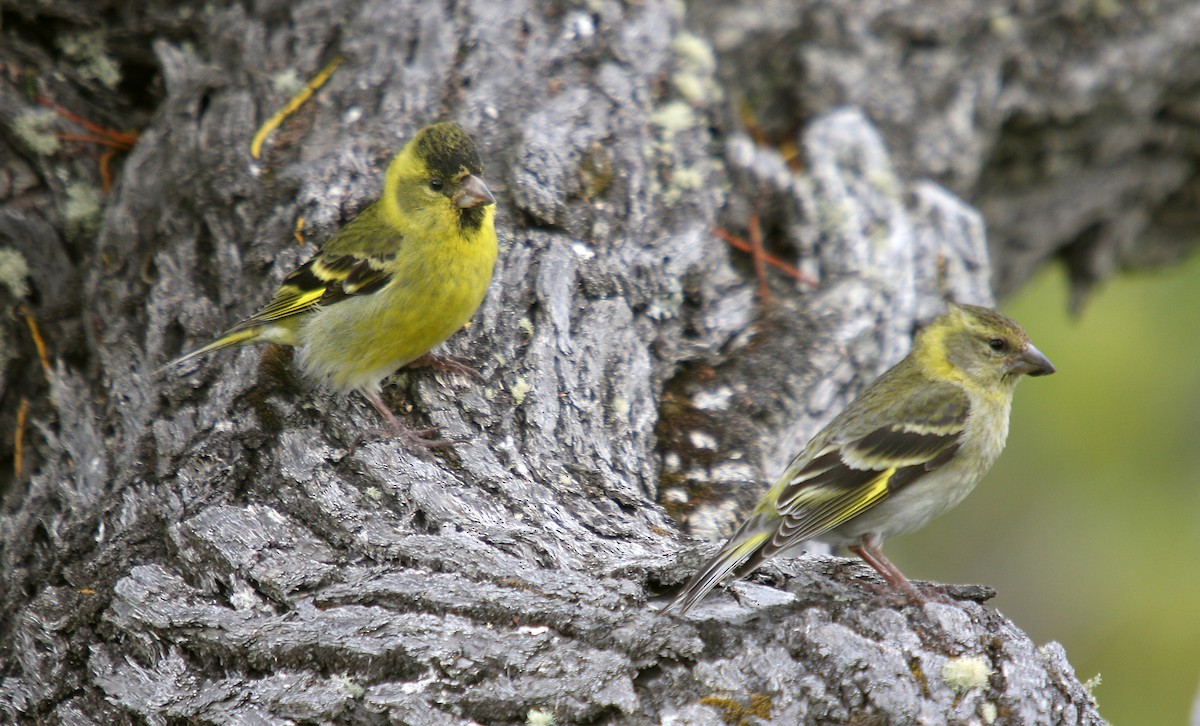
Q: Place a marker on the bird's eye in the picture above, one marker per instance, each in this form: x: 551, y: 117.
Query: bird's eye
x: 998, y: 344
x: 436, y: 184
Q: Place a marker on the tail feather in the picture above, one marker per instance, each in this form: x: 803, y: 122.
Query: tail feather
x: 729, y: 559
x: 230, y: 339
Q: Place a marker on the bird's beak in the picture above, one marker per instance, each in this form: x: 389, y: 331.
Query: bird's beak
x: 472, y: 193
x: 1031, y: 363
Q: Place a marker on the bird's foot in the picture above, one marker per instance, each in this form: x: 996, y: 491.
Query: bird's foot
x: 427, y: 438
x: 450, y: 364
x: 887, y: 595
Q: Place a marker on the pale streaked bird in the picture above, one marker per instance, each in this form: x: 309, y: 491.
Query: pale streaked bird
x: 911, y: 446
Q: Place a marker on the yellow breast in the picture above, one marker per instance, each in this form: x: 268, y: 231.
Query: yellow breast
x: 436, y: 287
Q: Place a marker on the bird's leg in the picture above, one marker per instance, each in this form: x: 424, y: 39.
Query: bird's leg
x: 870, y: 550
x: 450, y: 364
x: 396, y: 430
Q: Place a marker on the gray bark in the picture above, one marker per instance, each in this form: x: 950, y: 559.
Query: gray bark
x: 212, y: 547
x: 1071, y: 126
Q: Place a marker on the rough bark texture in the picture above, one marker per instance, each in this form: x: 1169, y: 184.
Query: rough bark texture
x: 1072, y: 126
x: 213, y: 548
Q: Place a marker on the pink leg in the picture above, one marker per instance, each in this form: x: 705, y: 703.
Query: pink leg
x: 870, y: 549
x: 397, y: 430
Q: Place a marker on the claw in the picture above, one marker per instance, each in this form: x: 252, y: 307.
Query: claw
x: 397, y: 431
x: 450, y: 364
x: 414, y: 437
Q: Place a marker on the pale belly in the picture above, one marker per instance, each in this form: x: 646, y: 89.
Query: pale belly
x: 931, y: 495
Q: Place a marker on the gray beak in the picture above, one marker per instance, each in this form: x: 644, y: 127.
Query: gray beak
x: 1031, y: 363
x: 472, y: 193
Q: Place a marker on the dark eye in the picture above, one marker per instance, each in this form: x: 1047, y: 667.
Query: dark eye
x: 436, y: 184
x: 998, y: 344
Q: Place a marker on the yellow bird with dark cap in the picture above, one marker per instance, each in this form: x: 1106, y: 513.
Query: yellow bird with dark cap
x: 397, y: 280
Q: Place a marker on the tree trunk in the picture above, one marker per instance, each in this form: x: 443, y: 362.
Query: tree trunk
x: 214, y: 547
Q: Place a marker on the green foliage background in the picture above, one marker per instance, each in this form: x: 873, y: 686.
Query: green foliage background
x: 1089, y: 525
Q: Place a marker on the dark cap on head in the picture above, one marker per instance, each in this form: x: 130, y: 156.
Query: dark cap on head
x: 448, y: 150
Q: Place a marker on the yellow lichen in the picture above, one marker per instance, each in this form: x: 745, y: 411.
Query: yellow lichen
x: 90, y: 49
x: 540, y: 717
x: 14, y: 272
x: 966, y: 673
x: 33, y: 129
x: 82, y: 211
x: 520, y: 388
